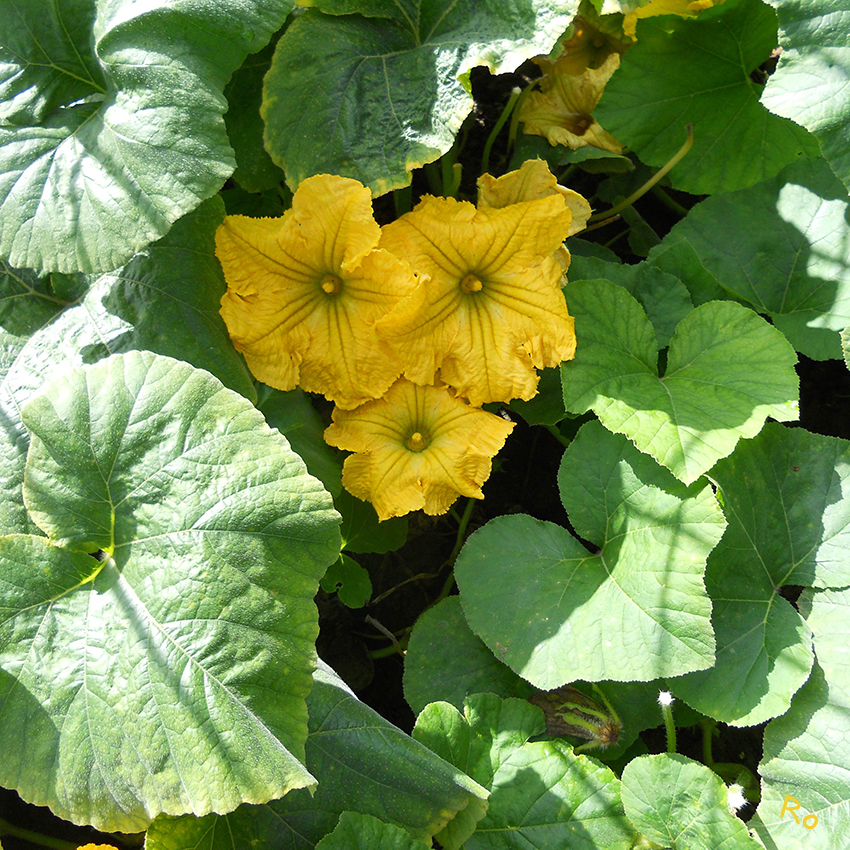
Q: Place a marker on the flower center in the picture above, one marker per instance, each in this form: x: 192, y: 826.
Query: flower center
x: 331, y: 284
x: 471, y: 283
x: 416, y: 442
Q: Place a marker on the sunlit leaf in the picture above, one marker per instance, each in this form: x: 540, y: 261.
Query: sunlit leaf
x: 111, y: 124
x: 554, y: 612
x: 117, y: 690
x: 706, y: 400
x: 697, y: 72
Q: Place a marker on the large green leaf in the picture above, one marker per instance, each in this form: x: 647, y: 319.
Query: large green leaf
x: 786, y: 495
x: 363, y: 764
x: 168, y: 673
x: 384, y: 94
x: 707, y: 399
x: 807, y: 751
x: 554, y: 612
x: 784, y: 247
x: 542, y: 794
x: 809, y: 84
x: 165, y: 300
x: 697, y: 72
x: 111, y: 124
x: 681, y: 804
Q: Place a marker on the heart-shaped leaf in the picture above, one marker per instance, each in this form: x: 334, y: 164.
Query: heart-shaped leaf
x: 681, y: 804
x: 168, y: 673
x: 706, y: 400
x: 783, y: 247
x: 555, y: 613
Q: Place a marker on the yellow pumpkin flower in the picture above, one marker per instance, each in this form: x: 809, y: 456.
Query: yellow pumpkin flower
x: 534, y: 180
x: 304, y: 292
x: 492, y: 310
x: 97, y: 847
x: 683, y: 8
x: 562, y: 110
x: 416, y: 448
x: 592, y: 39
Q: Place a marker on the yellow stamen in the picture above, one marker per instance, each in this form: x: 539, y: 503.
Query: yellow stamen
x: 416, y: 442
x: 331, y: 284
x: 471, y: 284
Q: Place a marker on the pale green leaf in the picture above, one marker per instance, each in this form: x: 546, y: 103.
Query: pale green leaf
x: 111, y: 124
x: 806, y: 766
x: 169, y: 672
x: 697, y: 71
x: 385, y: 94
x: 707, y: 399
x: 555, y: 612
x: 809, y: 84
x: 681, y: 804
x: 165, y: 300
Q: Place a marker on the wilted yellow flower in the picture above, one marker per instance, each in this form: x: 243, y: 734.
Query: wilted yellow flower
x: 562, y: 110
x: 304, y: 292
x: 683, y: 8
x: 592, y: 39
x: 417, y: 447
x: 493, y: 308
x: 534, y: 180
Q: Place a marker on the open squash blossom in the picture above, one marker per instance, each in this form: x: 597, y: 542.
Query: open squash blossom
x: 683, y: 8
x: 304, y: 292
x: 416, y: 448
x: 534, y: 180
x: 493, y: 308
x: 562, y: 110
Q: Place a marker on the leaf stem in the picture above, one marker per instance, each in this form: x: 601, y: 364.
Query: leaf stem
x: 459, y: 541
x: 506, y: 113
x: 665, y: 700
x: 512, y: 130
x: 639, y: 193
x: 7, y: 828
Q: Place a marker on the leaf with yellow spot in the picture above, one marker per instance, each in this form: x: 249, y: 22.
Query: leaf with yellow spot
x: 416, y: 448
x: 683, y: 8
x: 491, y: 310
x: 304, y: 292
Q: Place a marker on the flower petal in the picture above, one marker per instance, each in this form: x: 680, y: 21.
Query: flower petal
x: 416, y: 448
x: 563, y: 114
x: 305, y: 290
x: 491, y: 297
